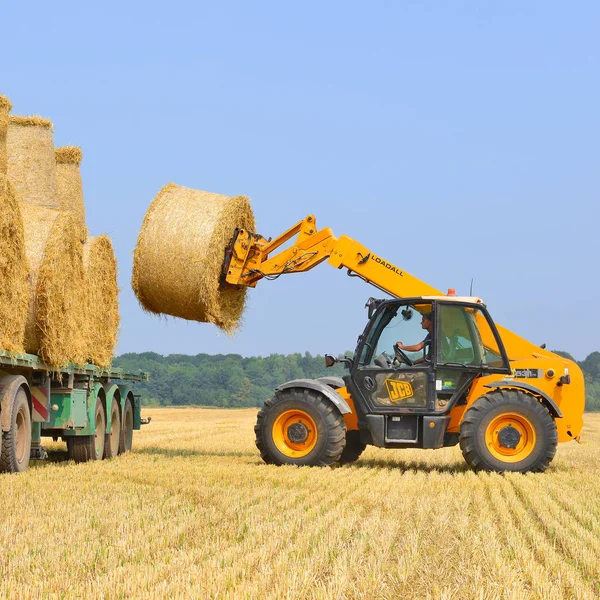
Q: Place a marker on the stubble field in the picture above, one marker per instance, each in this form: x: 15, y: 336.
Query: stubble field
x: 193, y: 512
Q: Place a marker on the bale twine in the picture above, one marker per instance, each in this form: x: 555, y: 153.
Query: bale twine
x: 14, y: 291
x: 179, y: 255
x: 102, y: 300
x: 5, y: 108
x: 56, y: 316
x: 69, y: 188
x: 31, y: 162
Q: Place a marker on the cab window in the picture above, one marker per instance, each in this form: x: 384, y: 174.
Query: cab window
x: 466, y: 337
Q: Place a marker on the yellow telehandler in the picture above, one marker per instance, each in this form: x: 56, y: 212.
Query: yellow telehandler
x: 506, y: 401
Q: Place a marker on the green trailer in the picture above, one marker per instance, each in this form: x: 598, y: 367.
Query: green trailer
x: 94, y: 410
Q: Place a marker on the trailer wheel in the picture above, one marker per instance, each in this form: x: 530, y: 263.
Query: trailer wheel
x: 508, y: 430
x: 16, y: 442
x: 299, y: 426
x: 112, y: 441
x: 126, y: 439
x: 353, y: 449
x: 83, y: 448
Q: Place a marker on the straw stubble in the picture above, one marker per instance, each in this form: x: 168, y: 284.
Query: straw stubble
x: 14, y: 291
x: 180, y: 252
x: 102, y: 300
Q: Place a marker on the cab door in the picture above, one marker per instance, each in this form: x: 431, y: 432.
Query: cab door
x: 387, y: 383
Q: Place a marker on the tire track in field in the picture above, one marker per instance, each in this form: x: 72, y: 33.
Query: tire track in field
x: 561, y: 529
x: 535, y: 532
x: 529, y: 546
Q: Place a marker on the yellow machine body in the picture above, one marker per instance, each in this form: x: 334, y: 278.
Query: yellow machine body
x: 250, y: 259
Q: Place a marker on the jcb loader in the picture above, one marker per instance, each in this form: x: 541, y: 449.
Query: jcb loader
x: 506, y: 401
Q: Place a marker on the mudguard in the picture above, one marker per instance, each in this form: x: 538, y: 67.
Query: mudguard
x: 9, y: 385
x: 546, y: 400
x: 332, y: 381
x: 319, y: 386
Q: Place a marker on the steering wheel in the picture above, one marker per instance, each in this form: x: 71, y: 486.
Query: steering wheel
x: 401, y: 356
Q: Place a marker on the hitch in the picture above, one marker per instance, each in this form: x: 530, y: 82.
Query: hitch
x: 145, y: 421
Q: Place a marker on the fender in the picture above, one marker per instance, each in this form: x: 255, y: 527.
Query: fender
x: 110, y: 389
x: 319, y: 386
x: 9, y: 385
x: 332, y: 381
x: 546, y: 400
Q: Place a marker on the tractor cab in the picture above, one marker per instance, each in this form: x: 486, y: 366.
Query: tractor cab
x: 419, y: 356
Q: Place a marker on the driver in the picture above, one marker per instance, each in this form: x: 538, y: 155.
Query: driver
x: 427, y: 324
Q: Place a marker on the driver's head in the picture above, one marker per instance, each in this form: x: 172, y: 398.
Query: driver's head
x: 427, y: 321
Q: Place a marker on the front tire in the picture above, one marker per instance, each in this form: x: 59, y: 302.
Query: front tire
x: 353, y: 449
x: 298, y: 426
x: 16, y: 442
x: 126, y: 439
x: 113, y: 439
x: 508, y: 430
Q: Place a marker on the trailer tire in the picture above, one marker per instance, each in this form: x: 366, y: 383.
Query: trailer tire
x: 508, y: 430
x: 84, y: 448
x: 112, y: 442
x: 353, y: 449
x: 16, y: 442
x: 126, y: 439
x: 299, y: 426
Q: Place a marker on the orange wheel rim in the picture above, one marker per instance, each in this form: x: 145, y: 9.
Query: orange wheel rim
x: 295, y: 433
x: 510, y: 437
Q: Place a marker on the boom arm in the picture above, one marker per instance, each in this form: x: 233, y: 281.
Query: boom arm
x: 247, y: 261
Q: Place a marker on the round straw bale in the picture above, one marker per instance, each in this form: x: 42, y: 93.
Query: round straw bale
x: 56, y: 319
x: 5, y: 108
x: 14, y: 291
x: 102, y: 300
x: 31, y: 162
x: 179, y: 255
x: 69, y: 189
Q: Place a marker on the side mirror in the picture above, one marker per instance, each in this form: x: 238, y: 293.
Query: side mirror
x: 330, y: 360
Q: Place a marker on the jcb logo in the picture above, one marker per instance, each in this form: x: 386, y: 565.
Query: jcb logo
x: 398, y: 390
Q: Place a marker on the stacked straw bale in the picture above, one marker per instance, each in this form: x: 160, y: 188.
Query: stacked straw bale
x: 5, y: 108
x: 179, y: 255
x: 102, y: 300
x: 14, y: 290
x: 56, y: 316
x: 31, y: 161
x: 69, y: 187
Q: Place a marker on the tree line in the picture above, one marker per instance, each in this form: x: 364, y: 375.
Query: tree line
x: 231, y: 380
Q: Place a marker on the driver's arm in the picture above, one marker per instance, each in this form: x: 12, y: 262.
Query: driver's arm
x: 413, y: 348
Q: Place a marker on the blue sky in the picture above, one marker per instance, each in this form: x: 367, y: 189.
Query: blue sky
x: 458, y: 140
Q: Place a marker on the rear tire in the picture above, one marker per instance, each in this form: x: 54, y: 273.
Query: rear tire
x: 16, y: 443
x: 508, y: 430
x: 112, y: 441
x: 84, y: 448
x: 126, y: 439
x: 354, y: 448
x: 298, y: 426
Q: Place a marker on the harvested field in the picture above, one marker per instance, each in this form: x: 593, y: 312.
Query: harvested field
x: 194, y: 513
x: 179, y: 255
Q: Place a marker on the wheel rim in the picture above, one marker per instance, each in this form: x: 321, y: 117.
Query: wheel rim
x: 21, y: 433
x: 99, y: 434
x: 510, y: 437
x: 295, y: 433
